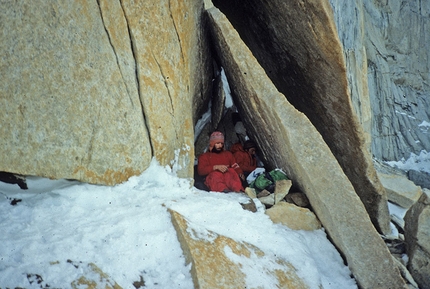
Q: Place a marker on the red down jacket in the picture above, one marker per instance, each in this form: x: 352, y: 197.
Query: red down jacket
x: 246, y: 162
x: 216, y: 180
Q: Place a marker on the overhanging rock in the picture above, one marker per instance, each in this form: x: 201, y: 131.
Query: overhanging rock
x: 296, y: 42
x: 289, y: 141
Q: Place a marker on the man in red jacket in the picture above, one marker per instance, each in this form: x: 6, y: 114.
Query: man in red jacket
x: 219, y: 166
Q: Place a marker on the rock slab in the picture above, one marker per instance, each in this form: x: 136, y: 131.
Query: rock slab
x: 212, y: 267
x: 400, y: 190
x: 293, y: 217
x: 299, y: 150
x: 298, y: 46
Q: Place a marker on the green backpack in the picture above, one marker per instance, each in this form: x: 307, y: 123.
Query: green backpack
x: 267, y: 180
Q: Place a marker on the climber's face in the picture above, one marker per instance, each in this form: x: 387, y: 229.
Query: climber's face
x: 218, y: 146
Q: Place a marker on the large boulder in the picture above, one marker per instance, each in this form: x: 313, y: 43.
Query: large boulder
x: 417, y: 237
x: 93, y: 90
x: 69, y: 94
x: 289, y: 141
x: 400, y: 190
x: 297, y: 44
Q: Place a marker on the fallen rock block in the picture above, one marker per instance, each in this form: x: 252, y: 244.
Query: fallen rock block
x: 282, y: 187
x: 263, y: 193
x: 297, y: 198
x: 251, y: 192
x: 249, y: 205
x: 214, y: 261
x: 293, y: 217
x: 400, y: 190
x: 268, y: 200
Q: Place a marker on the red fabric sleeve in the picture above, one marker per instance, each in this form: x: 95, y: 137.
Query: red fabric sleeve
x: 234, y: 164
x: 208, y: 160
x: 204, y: 167
x: 245, y: 161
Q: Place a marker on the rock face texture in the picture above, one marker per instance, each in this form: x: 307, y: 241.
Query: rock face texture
x: 69, y: 96
x: 92, y: 91
x: 420, y: 178
x: 289, y: 141
x: 169, y: 61
x: 298, y: 46
x: 417, y: 236
x: 387, y: 43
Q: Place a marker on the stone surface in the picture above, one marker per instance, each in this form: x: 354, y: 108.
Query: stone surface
x: 251, y: 192
x: 299, y: 150
x: 293, y: 217
x: 202, y: 140
x: 268, y: 200
x: 297, y: 44
x: 249, y: 205
x: 69, y: 95
x: 263, y: 193
x: 417, y: 237
x: 174, y: 74
x: 92, y: 91
x: 400, y: 190
x: 282, y: 188
x: 213, y: 268
x: 218, y: 102
x: 388, y: 71
x: 382, y: 167
x: 420, y: 178
x: 297, y: 198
